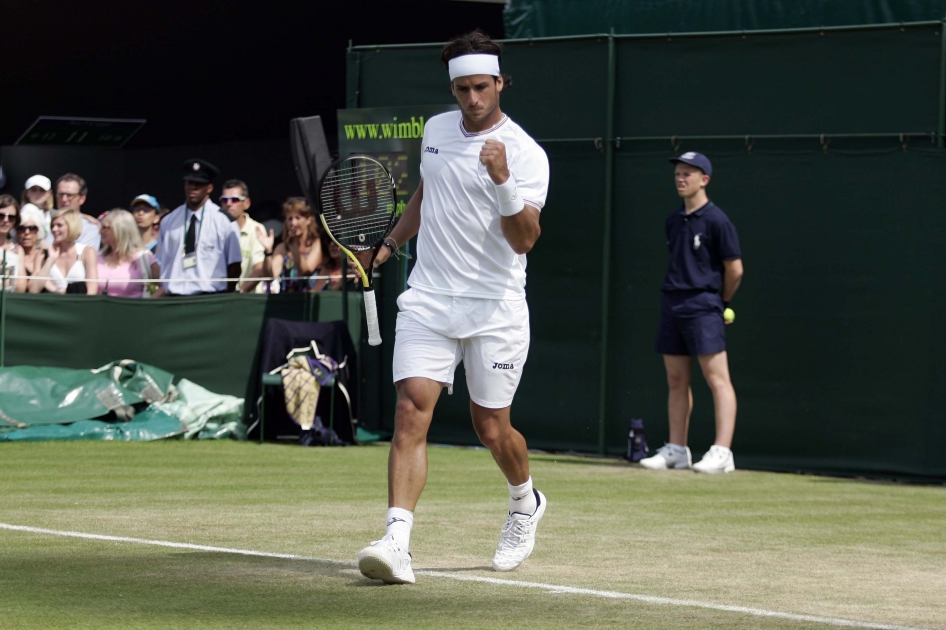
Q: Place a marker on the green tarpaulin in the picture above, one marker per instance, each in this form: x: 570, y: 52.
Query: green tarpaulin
x: 124, y: 400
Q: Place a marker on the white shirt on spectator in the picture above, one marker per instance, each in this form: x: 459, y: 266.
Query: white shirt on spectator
x: 461, y: 250
x: 217, y: 243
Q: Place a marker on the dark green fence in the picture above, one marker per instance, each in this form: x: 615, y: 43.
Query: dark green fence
x: 210, y: 340
x: 544, y: 18
x: 826, y: 147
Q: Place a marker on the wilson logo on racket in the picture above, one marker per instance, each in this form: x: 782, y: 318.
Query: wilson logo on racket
x: 503, y: 366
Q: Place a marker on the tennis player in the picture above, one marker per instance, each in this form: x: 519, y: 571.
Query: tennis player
x: 476, y: 215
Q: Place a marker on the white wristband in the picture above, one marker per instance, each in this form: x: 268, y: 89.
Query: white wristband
x: 508, y: 193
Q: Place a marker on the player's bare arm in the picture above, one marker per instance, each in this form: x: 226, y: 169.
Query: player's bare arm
x: 521, y: 230
x: 732, y: 276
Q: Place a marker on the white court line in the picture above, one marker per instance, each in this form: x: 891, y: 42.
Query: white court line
x: 551, y: 588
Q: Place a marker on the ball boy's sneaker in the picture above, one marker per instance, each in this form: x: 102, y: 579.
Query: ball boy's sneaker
x: 668, y: 456
x: 518, y: 537
x: 718, y: 460
x: 384, y: 560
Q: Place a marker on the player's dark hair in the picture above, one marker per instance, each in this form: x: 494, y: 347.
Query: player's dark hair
x: 237, y: 183
x: 474, y: 42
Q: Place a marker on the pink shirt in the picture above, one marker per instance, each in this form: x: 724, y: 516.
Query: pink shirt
x: 115, y: 279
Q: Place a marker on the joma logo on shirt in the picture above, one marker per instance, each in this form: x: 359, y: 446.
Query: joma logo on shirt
x: 431, y: 150
x: 503, y: 366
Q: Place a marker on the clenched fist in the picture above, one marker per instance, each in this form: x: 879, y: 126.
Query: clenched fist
x: 493, y: 156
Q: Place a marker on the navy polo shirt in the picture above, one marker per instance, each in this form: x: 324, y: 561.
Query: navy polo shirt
x: 699, y: 242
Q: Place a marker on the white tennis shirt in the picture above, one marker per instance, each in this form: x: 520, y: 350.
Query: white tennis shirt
x: 461, y: 250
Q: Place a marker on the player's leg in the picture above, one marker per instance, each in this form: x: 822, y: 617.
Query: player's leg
x: 424, y: 363
x: 495, y: 348
x: 507, y: 445
x: 389, y: 559
x: 678, y: 366
x: 526, y: 504
x: 407, y: 461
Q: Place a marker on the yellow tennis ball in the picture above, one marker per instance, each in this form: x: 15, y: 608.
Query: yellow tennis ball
x: 729, y: 315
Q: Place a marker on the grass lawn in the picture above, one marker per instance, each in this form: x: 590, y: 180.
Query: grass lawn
x: 818, y: 549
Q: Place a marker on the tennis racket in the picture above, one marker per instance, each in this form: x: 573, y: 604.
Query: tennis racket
x: 356, y: 204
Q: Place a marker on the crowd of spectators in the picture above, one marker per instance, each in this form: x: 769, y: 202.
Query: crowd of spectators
x: 49, y: 243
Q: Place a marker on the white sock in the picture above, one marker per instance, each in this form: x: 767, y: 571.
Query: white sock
x: 677, y: 448
x: 399, y: 523
x: 522, y: 499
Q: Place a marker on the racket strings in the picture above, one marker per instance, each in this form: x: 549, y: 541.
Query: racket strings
x: 358, y: 203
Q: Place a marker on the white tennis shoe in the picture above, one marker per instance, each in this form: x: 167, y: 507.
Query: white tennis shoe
x: 719, y: 459
x: 518, y: 537
x: 668, y: 457
x: 385, y: 560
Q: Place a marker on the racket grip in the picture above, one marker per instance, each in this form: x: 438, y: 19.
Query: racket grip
x: 371, y: 312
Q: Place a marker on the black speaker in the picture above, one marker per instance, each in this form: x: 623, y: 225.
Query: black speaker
x: 309, y: 152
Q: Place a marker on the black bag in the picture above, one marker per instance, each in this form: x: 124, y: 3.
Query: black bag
x: 320, y: 435
x: 636, y: 442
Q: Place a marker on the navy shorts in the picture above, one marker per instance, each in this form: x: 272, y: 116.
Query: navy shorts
x: 691, y: 324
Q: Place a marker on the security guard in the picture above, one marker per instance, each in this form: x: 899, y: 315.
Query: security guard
x: 198, y: 242
x: 703, y: 273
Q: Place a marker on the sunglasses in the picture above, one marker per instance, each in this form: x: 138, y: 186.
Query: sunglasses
x: 232, y: 199
x: 7, y: 217
x: 29, y: 228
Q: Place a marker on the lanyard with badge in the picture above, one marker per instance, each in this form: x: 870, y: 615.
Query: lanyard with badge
x: 190, y: 260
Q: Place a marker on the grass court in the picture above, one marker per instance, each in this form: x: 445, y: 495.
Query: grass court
x: 619, y: 547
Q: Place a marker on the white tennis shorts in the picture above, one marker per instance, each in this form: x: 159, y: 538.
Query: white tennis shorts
x: 435, y: 332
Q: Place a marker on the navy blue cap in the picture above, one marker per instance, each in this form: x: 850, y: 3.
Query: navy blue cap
x: 698, y: 160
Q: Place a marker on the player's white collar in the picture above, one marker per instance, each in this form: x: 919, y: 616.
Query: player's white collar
x: 467, y: 134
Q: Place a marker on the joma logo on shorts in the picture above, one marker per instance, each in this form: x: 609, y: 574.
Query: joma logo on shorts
x: 503, y: 366
x: 431, y: 150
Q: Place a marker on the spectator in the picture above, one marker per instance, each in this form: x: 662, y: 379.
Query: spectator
x: 38, y: 191
x: 30, y: 236
x: 300, y: 254
x: 70, y: 266
x: 235, y: 199
x: 145, y: 209
x: 123, y: 257
x: 197, y: 241
x: 71, y: 192
x: 331, y: 266
x: 11, y: 254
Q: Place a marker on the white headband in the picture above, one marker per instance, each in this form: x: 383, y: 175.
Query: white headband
x: 475, y: 63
